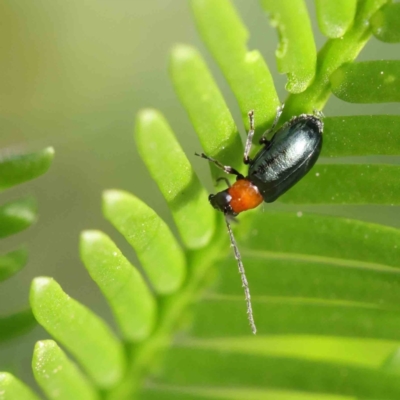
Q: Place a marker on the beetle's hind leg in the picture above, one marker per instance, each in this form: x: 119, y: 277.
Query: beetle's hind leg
x: 279, y: 110
x: 249, y: 139
x: 226, y: 168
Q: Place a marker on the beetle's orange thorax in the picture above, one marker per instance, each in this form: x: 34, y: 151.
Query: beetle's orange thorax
x: 245, y: 196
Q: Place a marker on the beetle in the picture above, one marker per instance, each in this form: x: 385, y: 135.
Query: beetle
x: 278, y: 166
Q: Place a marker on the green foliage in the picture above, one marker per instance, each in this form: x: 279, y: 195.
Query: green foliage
x: 332, y: 55
x: 123, y: 286
x: 241, y: 369
x: 84, y: 334
x: 24, y: 167
x: 188, y: 69
x: 246, y: 71
x: 58, y: 376
x: 367, y: 82
x: 325, y: 289
x: 16, y: 324
x: 16, y: 216
x: 296, y: 55
x: 151, y: 238
x: 14, y: 389
x: 12, y: 262
x: 174, y: 175
x: 386, y: 23
x: 335, y: 16
x: 357, y: 135
x: 321, y: 186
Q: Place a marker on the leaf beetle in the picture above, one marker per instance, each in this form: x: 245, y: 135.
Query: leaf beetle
x: 280, y: 164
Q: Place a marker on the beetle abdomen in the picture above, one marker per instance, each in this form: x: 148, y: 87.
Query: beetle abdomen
x: 292, y: 152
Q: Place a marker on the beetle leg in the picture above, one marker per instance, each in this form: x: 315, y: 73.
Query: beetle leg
x: 222, y: 178
x: 225, y: 168
x: 249, y: 140
x: 279, y: 110
x: 318, y: 113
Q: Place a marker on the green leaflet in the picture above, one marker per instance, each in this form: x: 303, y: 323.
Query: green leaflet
x: 246, y: 71
x: 391, y: 364
x: 307, y: 296
x: 16, y: 324
x: 17, y: 215
x: 367, y: 82
x: 335, y: 16
x: 279, y: 275
x: 325, y: 236
x: 12, y: 388
x: 17, y: 169
x: 359, y: 352
x: 361, y: 135
x: 12, y: 262
x: 84, y: 334
x: 286, y: 316
x: 58, y: 376
x: 205, y: 106
x: 256, y: 371
x: 386, y: 23
x: 166, y: 392
x: 158, y: 251
x: 332, y: 55
x: 296, y: 55
x: 175, y: 177
x: 127, y: 293
x: 322, y: 185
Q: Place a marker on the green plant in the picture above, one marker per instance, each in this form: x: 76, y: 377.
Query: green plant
x: 15, y: 216
x: 325, y: 289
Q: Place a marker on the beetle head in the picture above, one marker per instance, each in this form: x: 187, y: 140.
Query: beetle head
x: 221, y: 202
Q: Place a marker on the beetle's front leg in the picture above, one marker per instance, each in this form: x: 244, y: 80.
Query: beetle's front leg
x: 225, y: 168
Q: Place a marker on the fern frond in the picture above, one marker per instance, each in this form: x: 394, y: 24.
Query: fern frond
x: 325, y: 289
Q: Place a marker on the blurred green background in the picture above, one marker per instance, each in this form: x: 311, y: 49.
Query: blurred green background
x: 73, y: 74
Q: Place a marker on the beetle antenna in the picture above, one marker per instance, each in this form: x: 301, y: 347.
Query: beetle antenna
x: 242, y: 273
